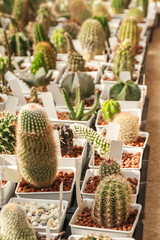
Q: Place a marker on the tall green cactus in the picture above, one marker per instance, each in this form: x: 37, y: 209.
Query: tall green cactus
x: 14, y: 224
x: 118, y: 6
x: 144, y: 5
x: 39, y: 34
x: 111, y: 206
x: 36, y: 148
x: 59, y: 40
x: 21, y: 12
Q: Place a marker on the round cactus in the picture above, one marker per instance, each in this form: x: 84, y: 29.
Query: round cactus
x: 109, y: 167
x: 79, y: 10
x: 99, y: 9
x: 129, y: 127
x: 59, y: 41
x: 36, y: 148
x: 71, y: 28
x: 111, y: 206
x: 118, y: 6
x: 137, y: 13
x: 14, y: 223
x: 109, y: 109
x: 104, y: 22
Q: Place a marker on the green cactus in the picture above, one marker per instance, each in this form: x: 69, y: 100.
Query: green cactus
x: 19, y: 44
x: 109, y: 167
x: 75, y: 59
x: 104, y: 22
x: 126, y: 3
x: 59, y: 40
x: 128, y: 91
x: 100, y: 143
x: 124, y: 59
x: 109, y: 109
x: 38, y: 62
x: 8, y: 5
x: 3, y: 69
x: 36, y: 148
x: 129, y: 30
x: 78, y: 113
x: 144, y: 5
x: 71, y: 28
x: 14, y: 223
x: 44, y: 17
x: 90, y: 39
x: 111, y: 206
x: 39, y: 34
x: 129, y: 127
x: 118, y: 6
x: 34, y: 96
x: 21, y: 12
x: 70, y: 81
x: 99, y: 9
x: 34, y: 5
x: 7, y: 133
x: 137, y: 13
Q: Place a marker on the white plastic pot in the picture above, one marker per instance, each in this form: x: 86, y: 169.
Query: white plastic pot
x: 77, y: 237
x: 3, y: 104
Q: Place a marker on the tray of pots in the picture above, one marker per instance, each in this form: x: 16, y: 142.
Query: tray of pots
x: 95, y: 236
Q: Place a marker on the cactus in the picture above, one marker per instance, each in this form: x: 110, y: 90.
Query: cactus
x: 89, y: 38
x: 7, y: 133
x: 100, y: 143
x: 19, y: 44
x: 38, y: 62
x: 109, y: 109
x: 34, y: 96
x: 66, y: 138
x: 104, y: 22
x: 79, y: 10
x: 21, y: 12
x: 44, y: 17
x: 99, y: 9
x: 75, y: 59
x: 95, y: 236
x: 70, y: 81
x: 137, y: 13
x: 129, y: 30
x: 59, y: 40
x: 128, y: 91
x: 109, y: 167
x: 34, y: 5
x: 14, y: 223
x: 144, y: 5
x: 129, y: 127
x: 111, y: 207
x: 126, y: 3
x: 78, y: 112
x: 124, y: 59
x: 36, y: 148
x: 39, y: 34
x: 71, y: 28
x: 3, y: 69
x: 62, y: 6
x: 118, y: 6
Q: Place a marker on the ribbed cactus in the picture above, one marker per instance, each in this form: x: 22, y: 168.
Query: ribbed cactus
x: 59, y: 40
x: 21, y: 12
x: 39, y: 34
x: 79, y: 10
x: 92, y: 38
x: 19, y: 44
x: 36, y: 148
x: 137, y: 13
x: 7, y: 133
x: 14, y: 223
x: 109, y: 109
x: 144, y: 5
x: 38, y: 62
x: 71, y: 28
x: 100, y: 143
x: 75, y: 59
x: 118, y: 6
x: 99, y: 9
x: 129, y: 127
x: 33, y: 95
x: 129, y: 30
x: 104, y: 22
x: 109, y: 167
x: 124, y: 58
x: 111, y: 206
x: 44, y: 17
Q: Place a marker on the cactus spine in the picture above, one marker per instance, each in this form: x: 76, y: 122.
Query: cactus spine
x: 36, y: 148
x: 109, y: 167
x: 59, y: 41
x: 110, y: 108
x: 124, y: 59
x: 75, y: 59
x: 14, y: 223
x: 100, y: 143
x: 129, y: 30
x: 111, y: 206
x: 118, y: 6
x: 129, y: 127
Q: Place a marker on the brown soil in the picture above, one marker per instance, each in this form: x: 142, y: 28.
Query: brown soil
x: 1, y: 100
x: 75, y: 153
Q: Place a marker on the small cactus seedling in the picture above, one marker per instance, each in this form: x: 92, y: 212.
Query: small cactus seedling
x: 110, y: 108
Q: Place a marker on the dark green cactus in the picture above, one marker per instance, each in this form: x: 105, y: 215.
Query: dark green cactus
x: 39, y: 34
x: 7, y: 133
x: 109, y: 167
x: 71, y: 28
x: 36, y: 147
x: 124, y: 58
x: 128, y: 91
x: 19, y: 44
x: 144, y: 5
x: 111, y: 206
x: 104, y: 22
x: 118, y: 6
x: 109, y: 109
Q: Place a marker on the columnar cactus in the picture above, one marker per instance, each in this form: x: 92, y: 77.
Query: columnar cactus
x: 59, y: 40
x: 39, y: 34
x: 111, y: 206
x: 36, y: 148
x: 75, y: 59
x: 99, y: 9
x: 124, y: 58
x: 44, y: 17
x: 100, y: 143
x: 137, y: 13
x: 19, y: 44
x: 109, y: 167
x: 109, y: 109
x: 92, y: 38
x: 14, y: 223
x: 38, y: 62
x: 129, y: 30
x: 71, y: 28
x: 79, y: 10
x: 118, y: 6
x: 21, y: 12
x: 129, y: 127
x: 144, y: 5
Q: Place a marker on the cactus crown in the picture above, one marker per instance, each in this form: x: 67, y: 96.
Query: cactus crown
x: 39, y: 34
x: 111, y: 206
x: 109, y: 167
x: 110, y: 108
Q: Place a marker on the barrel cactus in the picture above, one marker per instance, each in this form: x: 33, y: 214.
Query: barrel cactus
x: 104, y: 22
x: 59, y: 40
x: 129, y: 127
x: 129, y: 30
x: 92, y: 38
x: 124, y: 58
x: 128, y: 91
x: 71, y: 28
x: 109, y: 167
x: 36, y: 147
x: 99, y: 9
x: 79, y: 10
x: 144, y: 5
x: 14, y: 223
x: 20, y: 12
x: 137, y: 13
x: 111, y: 207
x: 109, y: 109
x: 118, y: 6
